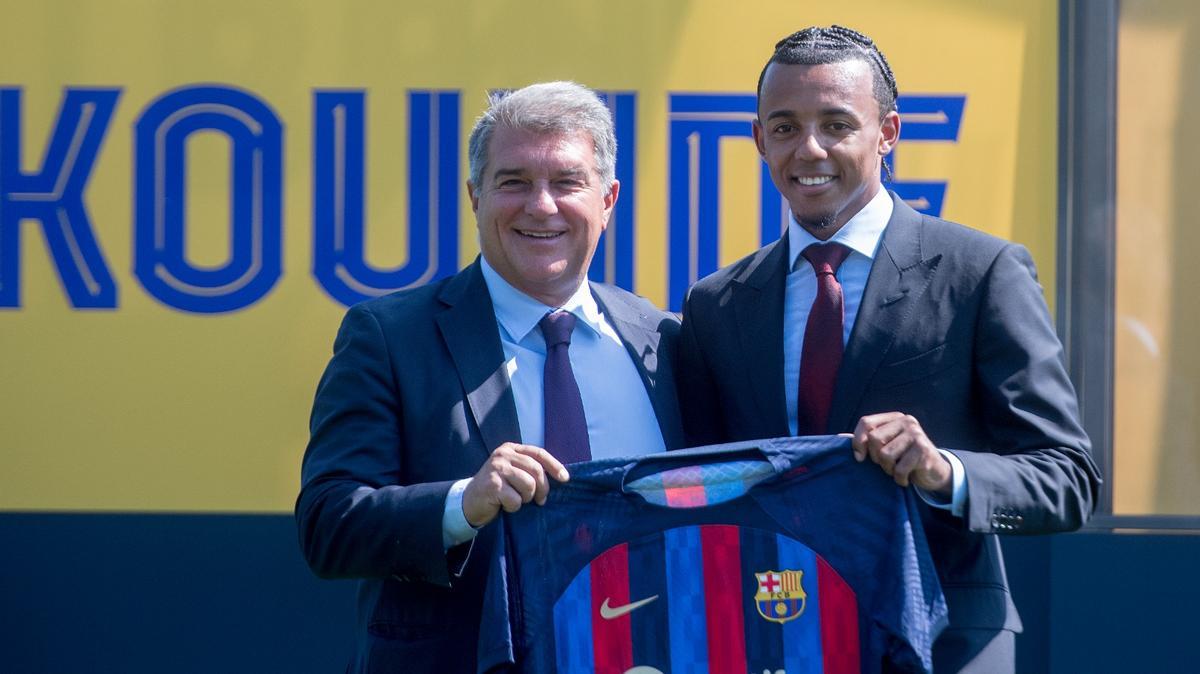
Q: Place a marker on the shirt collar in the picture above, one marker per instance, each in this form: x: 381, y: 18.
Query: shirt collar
x: 860, y: 234
x: 518, y: 314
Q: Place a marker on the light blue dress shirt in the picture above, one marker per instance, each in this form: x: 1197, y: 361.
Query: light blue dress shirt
x: 620, y: 417
x: 861, y: 234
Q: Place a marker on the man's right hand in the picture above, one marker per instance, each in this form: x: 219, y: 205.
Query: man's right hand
x: 511, y: 477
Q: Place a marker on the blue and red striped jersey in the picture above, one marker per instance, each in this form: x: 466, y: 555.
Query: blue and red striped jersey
x: 772, y: 556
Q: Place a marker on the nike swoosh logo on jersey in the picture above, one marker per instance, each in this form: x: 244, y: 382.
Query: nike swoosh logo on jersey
x: 609, y: 612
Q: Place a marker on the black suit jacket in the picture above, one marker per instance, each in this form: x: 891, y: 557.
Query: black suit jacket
x: 415, y: 397
x: 952, y: 329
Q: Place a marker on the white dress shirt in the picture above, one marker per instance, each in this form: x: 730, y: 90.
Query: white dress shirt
x: 620, y: 417
x: 861, y: 234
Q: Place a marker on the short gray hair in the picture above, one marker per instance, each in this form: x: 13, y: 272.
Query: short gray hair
x: 547, y: 108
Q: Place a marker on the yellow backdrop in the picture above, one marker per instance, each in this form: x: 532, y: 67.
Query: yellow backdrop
x: 147, y: 407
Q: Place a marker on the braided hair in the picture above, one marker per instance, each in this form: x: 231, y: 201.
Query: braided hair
x: 816, y: 45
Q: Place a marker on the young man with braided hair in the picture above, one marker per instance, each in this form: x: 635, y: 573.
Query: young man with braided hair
x: 930, y: 342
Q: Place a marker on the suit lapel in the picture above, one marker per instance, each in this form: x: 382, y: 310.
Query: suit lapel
x: 641, y: 339
x: 468, y: 325
x: 758, y: 295
x: 898, y: 278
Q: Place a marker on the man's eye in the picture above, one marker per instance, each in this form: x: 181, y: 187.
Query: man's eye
x: 839, y: 126
x: 783, y: 129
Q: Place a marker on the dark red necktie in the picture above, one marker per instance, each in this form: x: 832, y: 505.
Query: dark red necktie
x: 822, y: 352
x: 564, y: 421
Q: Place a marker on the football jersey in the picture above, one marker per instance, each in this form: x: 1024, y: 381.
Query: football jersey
x: 780, y: 555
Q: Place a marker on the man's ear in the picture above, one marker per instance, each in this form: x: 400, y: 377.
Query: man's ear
x: 610, y: 200
x: 757, y: 130
x: 889, y: 132
x: 474, y: 197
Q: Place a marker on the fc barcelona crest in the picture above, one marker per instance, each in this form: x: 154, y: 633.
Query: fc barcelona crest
x: 780, y: 596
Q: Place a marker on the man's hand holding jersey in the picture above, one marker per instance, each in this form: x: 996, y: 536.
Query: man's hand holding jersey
x: 512, y: 476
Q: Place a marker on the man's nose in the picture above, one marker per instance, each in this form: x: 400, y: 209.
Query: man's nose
x: 541, y: 202
x: 810, y: 147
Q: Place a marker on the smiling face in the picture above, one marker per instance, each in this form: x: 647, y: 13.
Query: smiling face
x: 540, y: 209
x: 820, y: 132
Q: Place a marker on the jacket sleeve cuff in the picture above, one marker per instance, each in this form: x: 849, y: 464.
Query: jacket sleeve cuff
x: 456, y: 530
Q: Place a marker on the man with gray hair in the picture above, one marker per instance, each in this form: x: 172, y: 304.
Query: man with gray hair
x: 446, y: 403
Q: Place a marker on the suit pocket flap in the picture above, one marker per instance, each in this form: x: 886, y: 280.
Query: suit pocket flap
x: 981, y: 607
x: 912, y: 368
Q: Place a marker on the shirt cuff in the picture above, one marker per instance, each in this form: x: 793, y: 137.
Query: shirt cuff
x: 456, y: 530
x: 958, y: 487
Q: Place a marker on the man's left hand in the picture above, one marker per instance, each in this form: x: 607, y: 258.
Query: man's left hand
x: 897, y: 443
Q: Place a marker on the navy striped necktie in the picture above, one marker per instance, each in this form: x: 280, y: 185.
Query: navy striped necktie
x: 564, y: 420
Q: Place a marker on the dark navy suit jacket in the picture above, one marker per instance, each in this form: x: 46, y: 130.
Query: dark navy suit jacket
x: 952, y: 329
x: 416, y: 397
